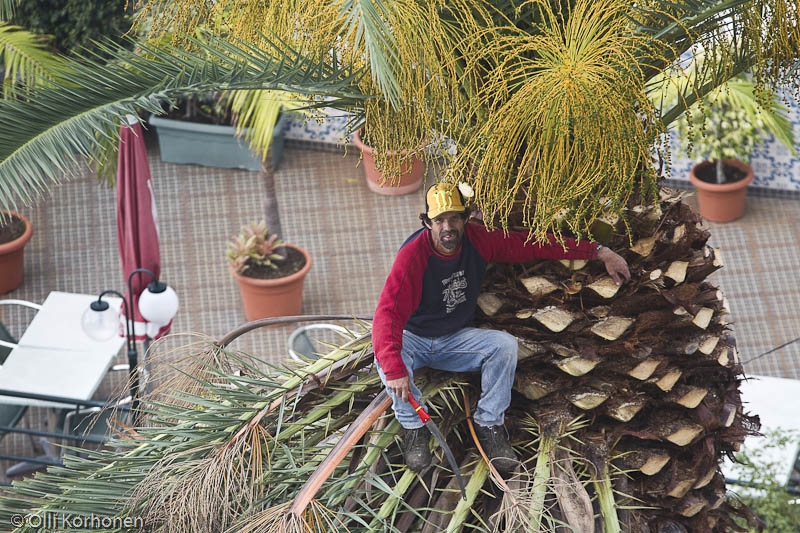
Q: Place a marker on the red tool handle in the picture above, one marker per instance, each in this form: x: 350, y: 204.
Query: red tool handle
x: 423, y: 415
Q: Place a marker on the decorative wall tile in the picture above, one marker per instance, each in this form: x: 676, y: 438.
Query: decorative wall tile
x: 774, y: 166
x: 330, y: 130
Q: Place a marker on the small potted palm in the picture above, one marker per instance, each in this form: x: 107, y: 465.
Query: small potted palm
x: 723, y: 132
x: 270, y: 273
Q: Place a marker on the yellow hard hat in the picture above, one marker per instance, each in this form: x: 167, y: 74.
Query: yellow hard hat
x: 444, y: 197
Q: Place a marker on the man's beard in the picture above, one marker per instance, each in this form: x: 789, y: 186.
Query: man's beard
x: 451, y: 244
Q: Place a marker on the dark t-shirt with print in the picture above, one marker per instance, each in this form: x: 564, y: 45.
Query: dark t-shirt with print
x: 450, y: 288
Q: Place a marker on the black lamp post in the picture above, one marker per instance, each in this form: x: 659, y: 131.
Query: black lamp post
x: 158, y: 304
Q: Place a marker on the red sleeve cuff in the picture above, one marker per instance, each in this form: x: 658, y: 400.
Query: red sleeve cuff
x: 396, y: 374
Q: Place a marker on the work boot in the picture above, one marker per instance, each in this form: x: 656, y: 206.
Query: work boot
x: 494, y: 442
x: 416, y: 450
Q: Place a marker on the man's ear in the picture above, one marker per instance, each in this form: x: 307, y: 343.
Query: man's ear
x: 426, y: 222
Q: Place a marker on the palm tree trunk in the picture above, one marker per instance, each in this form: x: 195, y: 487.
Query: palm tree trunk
x: 652, y: 366
x: 271, y: 213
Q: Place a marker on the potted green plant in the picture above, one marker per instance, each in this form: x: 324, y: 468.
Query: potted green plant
x: 15, y: 232
x: 200, y: 130
x: 723, y: 130
x: 760, y: 481
x: 270, y: 273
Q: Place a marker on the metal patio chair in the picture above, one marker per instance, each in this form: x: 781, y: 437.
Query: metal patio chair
x: 93, y: 424
x: 10, y: 414
x: 308, y: 342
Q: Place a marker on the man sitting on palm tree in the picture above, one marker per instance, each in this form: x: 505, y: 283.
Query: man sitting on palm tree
x: 426, y: 307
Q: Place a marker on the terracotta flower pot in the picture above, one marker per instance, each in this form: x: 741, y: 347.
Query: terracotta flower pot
x: 409, y: 181
x: 12, y: 258
x: 722, y: 202
x: 265, y: 298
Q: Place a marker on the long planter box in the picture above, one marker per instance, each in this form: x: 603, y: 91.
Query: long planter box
x: 211, y: 145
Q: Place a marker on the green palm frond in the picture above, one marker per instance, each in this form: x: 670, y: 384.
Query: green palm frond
x: 257, y: 423
x: 775, y: 119
x: 364, y: 29
x: 59, y: 126
x: 687, y: 81
x: 676, y: 26
x: 234, y: 445
x: 689, y: 90
x: 256, y: 114
x: 736, y: 32
x: 7, y: 9
x: 27, y: 62
x: 366, y: 24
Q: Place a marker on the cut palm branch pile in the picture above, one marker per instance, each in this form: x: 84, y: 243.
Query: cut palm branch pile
x: 625, y: 401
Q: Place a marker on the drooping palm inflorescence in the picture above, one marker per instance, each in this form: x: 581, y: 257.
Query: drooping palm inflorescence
x: 626, y: 398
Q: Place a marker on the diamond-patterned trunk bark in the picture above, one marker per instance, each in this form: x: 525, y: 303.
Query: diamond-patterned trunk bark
x: 651, y: 365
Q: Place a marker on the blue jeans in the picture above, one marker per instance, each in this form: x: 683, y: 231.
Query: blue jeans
x: 493, y: 353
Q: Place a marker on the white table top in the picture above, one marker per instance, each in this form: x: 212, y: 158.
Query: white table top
x: 774, y: 400
x: 55, y: 357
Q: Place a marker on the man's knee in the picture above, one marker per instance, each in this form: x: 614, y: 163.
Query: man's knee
x: 506, y: 343
x: 506, y: 346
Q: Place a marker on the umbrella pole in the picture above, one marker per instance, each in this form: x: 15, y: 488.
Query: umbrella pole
x: 154, y: 287
x: 133, y: 354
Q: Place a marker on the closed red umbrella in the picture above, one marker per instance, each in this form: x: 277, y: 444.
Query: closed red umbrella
x: 137, y: 228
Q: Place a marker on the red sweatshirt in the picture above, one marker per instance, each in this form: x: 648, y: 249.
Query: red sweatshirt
x: 431, y: 294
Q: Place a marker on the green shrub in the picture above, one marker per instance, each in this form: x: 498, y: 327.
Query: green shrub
x: 765, y: 492
x: 74, y: 24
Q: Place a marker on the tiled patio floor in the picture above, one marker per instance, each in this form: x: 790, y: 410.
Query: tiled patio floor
x: 761, y: 280
x: 352, y: 235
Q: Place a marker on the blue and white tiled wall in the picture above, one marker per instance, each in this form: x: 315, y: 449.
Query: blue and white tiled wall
x: 775, y: 167
x: 331, y: 130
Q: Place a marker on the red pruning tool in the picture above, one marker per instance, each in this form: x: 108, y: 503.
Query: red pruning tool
x: 434, y: 429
